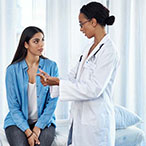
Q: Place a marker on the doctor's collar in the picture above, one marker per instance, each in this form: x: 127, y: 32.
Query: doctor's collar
x: 93, y: 54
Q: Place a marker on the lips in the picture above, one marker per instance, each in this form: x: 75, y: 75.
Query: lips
x: 84, y: 33
x: 41, y: 49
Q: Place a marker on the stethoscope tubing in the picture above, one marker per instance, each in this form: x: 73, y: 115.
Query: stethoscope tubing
x: 82, y: 57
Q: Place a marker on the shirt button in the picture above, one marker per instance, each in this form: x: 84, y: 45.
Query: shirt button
x: 37, y: 96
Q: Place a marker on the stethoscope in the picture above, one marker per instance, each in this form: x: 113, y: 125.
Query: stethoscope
x: 82, y: 57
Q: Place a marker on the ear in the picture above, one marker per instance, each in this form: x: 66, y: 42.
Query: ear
x: 94, y: 22
x: 26, y: 45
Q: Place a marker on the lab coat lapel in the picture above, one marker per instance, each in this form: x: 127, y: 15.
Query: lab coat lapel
x: 81, y: 63
x: 103, y: 41
x: 85, y: 58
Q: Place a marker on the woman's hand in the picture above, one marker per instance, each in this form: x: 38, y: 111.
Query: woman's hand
x: 36, y: 131
x: 46, y: 79
x: 31, y: 137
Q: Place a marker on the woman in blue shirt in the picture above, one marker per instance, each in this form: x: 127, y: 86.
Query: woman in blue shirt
x: 31, y: 119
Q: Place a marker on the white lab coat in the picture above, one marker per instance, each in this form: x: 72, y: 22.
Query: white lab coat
x: 92, y: 110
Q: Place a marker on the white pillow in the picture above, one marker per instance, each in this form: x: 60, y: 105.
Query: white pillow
x: 3, y: 140
x: 131, y: 136
x: 125, y: 118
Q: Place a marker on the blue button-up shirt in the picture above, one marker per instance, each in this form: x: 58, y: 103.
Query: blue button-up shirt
x: 17, y: 95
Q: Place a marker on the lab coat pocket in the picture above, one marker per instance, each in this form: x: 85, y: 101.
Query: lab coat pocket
x: 89, y: 65
x: 89, y: 114
x: 88, y: 69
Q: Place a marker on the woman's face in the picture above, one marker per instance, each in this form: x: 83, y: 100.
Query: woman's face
x: 35, y: 45
x: 86, y: 26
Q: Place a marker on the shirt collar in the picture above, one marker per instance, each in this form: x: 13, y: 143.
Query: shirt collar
x: 24, y: 64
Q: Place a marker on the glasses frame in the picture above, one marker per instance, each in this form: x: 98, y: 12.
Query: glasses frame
x: 81, y: 24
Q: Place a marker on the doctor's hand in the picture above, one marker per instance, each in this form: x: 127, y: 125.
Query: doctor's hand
x: 46, y: 79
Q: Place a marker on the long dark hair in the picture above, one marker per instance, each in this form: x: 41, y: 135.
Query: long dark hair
x: 99, y: 12
x: 26, y: 35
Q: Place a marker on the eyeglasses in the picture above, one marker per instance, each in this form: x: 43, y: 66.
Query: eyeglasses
x: 81, y: 24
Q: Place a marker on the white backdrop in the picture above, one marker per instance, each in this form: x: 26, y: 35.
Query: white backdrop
x: 64, y: 42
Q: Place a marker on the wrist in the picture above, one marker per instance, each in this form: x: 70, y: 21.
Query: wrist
x: 36, y: 131
x: 28, y: 132
x: 35, y: 134
x: 30, y: 135
x: 57, y: 81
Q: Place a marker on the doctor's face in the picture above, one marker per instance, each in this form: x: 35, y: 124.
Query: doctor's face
x: 86, y: 26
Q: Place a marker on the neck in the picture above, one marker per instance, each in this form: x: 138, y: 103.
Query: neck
x: 99, y: 35
x: 32, y: 61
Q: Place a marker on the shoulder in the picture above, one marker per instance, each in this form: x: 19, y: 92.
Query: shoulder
x: 109, y: 46
x: 49, y: 62
x: 110, y: 50
x: 15, y: 66
x: 49, y: 66
x: 12, y: 67
x: 11, y: 71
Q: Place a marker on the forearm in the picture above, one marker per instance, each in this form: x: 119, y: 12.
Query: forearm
x: 52, y: 81
x: 18, y: 118
x: 48, y: 113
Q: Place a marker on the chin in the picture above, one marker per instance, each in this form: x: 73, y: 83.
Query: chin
x: 39, y: 54
x: 89, y: 37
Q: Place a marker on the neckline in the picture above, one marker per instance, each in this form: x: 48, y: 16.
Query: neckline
x: 31, y: 83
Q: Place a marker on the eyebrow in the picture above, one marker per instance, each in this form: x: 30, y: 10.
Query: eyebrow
x: 37, y: 38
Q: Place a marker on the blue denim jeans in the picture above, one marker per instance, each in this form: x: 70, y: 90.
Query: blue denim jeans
x: 17, y: 137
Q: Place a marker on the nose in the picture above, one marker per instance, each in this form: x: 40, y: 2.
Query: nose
x: 81, y: 29
x: 41, y: 44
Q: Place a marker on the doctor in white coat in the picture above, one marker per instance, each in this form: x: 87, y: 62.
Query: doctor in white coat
x: 90, y: 83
